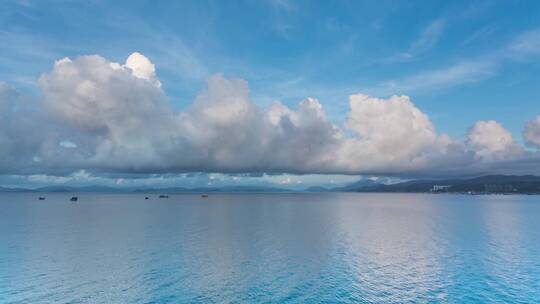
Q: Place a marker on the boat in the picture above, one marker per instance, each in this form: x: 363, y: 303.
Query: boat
x: 204, y: 195
x: 163, y: 196
x: 41, y: 198
x: 146, y: 197
x: 74, y: 199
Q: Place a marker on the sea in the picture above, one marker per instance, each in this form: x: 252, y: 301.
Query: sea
x: 269, y: 248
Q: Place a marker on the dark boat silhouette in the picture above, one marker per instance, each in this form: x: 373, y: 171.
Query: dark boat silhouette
x: 146, y: 197
x: 204, y: 195
x: 163, y: 196
x: 74, y: 199
x: 41, y: 198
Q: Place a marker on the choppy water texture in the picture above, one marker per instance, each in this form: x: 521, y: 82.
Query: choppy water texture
x: 278, y: 248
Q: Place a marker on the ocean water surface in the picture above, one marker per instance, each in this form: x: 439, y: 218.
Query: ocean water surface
x: 269, y: 248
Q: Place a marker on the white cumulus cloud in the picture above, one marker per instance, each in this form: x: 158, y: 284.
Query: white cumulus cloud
x: 118, y: 119
x: 532, y: 132
x: 491, y: 141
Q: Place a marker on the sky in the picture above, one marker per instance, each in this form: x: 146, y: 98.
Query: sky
x: 277, y: 92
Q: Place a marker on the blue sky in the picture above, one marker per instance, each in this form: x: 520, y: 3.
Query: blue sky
x: 459, y: 61
x: 288, y: 50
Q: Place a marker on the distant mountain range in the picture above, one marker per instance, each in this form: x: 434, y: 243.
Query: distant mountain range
x: 105, y: 189
x: 213, y: 189
x: 353, y: 187
x: 63, y: 189
x: 527, y: 184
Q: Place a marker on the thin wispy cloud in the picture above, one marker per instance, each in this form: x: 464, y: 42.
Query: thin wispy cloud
x: 287, y: 5
x: 456, y: 74
x: 480, y: 34
x: 524, y: 47
x: 427, y: 39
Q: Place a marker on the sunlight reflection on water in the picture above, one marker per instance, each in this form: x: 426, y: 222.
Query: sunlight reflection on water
x: 282, y: 248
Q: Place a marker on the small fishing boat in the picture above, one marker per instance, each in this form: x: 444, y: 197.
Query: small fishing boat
x: 204, y: 195
x: 74, y: 199
x: 163, y: 196
x: 146, y: 197
x: 41, y: 198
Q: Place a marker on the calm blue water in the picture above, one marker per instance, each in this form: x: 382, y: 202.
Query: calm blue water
x: 271, y: 248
